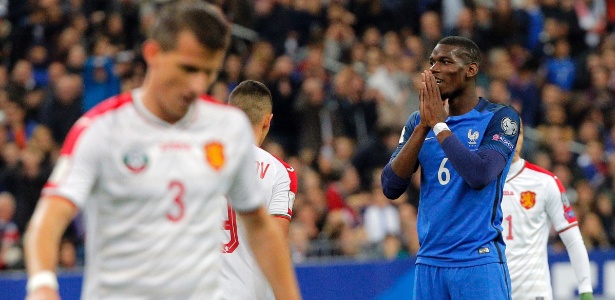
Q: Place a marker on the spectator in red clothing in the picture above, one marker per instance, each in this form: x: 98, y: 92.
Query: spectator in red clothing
x: 338, y: 191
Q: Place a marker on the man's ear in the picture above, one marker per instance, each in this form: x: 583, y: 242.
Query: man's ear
x: 150, y: 50
x: 472, y: 69
x: 267, y: 122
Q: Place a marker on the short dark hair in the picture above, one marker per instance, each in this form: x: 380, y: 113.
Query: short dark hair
x: 470, y: 53
x: 254, y: 98
x: 204, y: 20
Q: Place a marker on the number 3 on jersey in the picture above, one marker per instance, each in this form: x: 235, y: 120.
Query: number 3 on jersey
x: 179, y: 209
x: 231, y: 225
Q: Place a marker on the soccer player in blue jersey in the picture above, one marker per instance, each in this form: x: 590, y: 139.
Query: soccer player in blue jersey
x: 464, y: 145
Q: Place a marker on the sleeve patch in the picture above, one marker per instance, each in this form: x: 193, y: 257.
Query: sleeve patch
x: 569, y: 214
x: 509, y: 126
x: 503, y: 140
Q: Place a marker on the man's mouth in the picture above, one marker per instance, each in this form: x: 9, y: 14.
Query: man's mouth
x: 438, y: 81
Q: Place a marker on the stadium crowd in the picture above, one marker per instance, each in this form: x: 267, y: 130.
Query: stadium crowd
x: 344, y: 75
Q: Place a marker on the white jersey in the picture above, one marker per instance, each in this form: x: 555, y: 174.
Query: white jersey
x: 533, y: 198
x: 151, y: 194
x: 242, y: 278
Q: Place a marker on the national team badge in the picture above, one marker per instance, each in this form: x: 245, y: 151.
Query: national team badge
x: 473, y: 136
x: 509, y: 126
x: 135, y: 160
x: 214, y: 152
x: 528, y: 199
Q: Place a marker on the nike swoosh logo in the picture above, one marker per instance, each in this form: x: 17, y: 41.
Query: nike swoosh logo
x: 429, y: 138
x: 290, y: 169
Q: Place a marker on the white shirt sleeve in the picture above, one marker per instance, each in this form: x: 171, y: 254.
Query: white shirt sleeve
x: 565, y: 223
x: 79, y: 164
x: 284, y: 190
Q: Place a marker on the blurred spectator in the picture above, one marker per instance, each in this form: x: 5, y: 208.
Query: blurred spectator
x: 64, y: 108
x: 9, y: 235
x: 99, y: 80
x: 381, y: 218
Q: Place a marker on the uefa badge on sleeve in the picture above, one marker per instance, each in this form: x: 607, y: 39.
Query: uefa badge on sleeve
x: 214, y: 154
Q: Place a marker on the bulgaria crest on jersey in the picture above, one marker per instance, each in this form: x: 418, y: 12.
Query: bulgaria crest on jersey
x: 528, y: 199
x: 135, y: 160
x: 214, y: 154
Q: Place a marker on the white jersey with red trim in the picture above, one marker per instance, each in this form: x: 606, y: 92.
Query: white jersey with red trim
x: 533, y: 199
x: 152, y: 191
x: 242, y: 278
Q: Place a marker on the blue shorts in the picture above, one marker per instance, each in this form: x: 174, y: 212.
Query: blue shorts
x: 485, y: 282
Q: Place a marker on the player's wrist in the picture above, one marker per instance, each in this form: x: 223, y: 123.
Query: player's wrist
x: 42, y: 279
x: 439, y: 127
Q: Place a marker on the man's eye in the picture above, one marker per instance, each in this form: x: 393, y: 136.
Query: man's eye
x: 189, y: 69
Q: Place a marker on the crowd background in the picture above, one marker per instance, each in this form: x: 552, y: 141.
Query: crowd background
x: 344, y: 75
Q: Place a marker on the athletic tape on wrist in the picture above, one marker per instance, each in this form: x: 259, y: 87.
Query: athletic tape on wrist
x: 42, y: 279
x: 439, y: 127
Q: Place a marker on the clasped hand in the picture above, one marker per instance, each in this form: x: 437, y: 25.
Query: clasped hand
x: 432, y: 109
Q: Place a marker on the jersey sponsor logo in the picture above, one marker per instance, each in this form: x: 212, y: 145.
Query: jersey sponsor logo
x: 509, y: 126
x: 290, y: 169
x: 473, y: 136
x: 503, y: 140
x: 429, y: 138
x: 508, y: 193
x: 135, y: 161
x: 214, y: 153
x: 483, y: 250
x: 528, y: 199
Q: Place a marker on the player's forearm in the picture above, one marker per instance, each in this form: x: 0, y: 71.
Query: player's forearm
x: 43, y: 236
x: 404, y: 164
x: 578, y: 257
x: 476, y: 169
x: 272, y: 254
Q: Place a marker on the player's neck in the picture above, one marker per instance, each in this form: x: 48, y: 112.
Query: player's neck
x: 463, y: 103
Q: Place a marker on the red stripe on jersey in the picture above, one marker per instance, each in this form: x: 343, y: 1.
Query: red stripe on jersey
x: 291, y: 174
x: 572, y: 226
x: 84, y: 122
x: 210, y: 99
x: 542, y: 170
x: 281, y: 217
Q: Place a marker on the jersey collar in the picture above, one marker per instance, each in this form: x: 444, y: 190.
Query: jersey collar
x: 137, y: 97
x: 515, y: 169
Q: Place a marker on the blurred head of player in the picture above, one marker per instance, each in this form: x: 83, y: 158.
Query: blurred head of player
x: 454, y: 63
x: 517, y: 155
x: 184, y: 52
x: 254, y: 98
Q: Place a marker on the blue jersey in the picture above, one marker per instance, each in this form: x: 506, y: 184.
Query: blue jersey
x: 459, y: 226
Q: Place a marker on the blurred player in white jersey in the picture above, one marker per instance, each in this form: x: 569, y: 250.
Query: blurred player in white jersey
x: 149, y: 168
x: 533, y: 199
x: 242, y: 278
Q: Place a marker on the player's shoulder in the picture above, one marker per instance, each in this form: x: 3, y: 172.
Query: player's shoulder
x: 228, y: 116
x: 543, y: 174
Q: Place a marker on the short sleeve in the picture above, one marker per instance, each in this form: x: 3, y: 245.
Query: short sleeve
x: 78, y: 166
x: 558, y: 207
x: 502, y: 132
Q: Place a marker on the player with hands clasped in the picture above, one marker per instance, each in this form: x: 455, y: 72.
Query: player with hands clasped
x: 534, y: 199
x: 242, y: 279
x: 150, y: 168
x: 464, y: 146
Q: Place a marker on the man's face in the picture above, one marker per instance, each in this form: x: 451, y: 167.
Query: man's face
x: 448, y: 69
x: 180, y: 75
